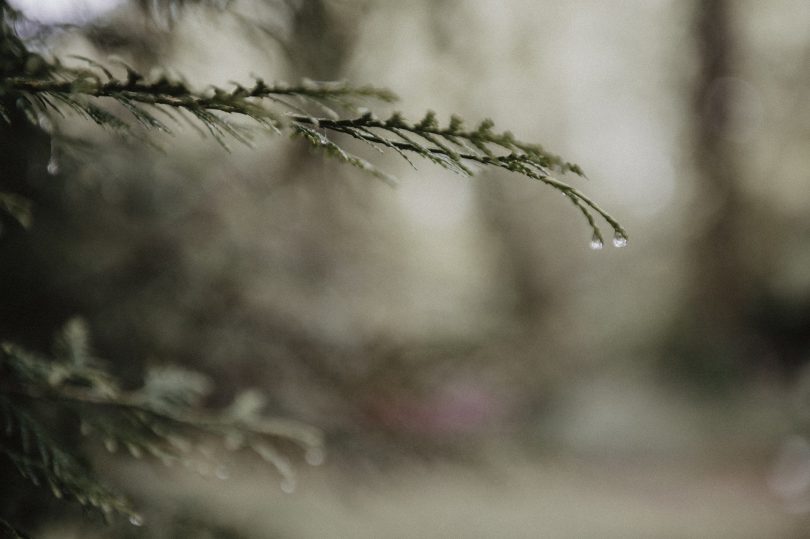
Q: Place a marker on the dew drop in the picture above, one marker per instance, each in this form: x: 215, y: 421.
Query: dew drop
x: 596, y: 243
x: 315, y: 456
x: 619, y: 240
x: 136, y: 520
x: 288, y: 485
x: 53, y: 166
x: 45, y: 123
x: 222, y: 473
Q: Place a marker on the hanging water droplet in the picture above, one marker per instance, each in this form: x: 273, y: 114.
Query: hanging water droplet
x: 221, y: 472
x: 136, y: 520
x: 288, y: 485
x: 53, y: 166
x: 596, y: 243
x: 619, y: 240
x: 45, y: 123
x: 315, y: 456
x: 56, y: 491
x: 111, y: 445
x: 135, y: 451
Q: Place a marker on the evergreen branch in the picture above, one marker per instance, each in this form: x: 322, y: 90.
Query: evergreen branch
x: 152, y: 420
x: 133, y: 402
x: 41, y: 460
x: 529, y: 153
x: 525, y: 159
x: 318, y: 140
x: 176, y: 94
x: 7, y: 531
x: 452, y: 146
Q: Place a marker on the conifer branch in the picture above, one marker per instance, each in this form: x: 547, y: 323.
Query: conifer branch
x: 473, y: 146
x: 297, y: 109
x: 162, y: 419
x: 7, y: 531
x: 40, y: 459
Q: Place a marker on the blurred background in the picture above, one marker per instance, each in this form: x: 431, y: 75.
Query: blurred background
x: 477, y: 369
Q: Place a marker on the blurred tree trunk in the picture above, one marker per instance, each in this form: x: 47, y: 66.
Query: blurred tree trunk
x: 714, y: 343
x: 522, y: 263
x: 719, y: 277
x: 321, y: 41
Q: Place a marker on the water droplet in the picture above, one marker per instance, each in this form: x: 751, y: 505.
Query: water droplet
x: 45, y: 123
x: 222, y: 473
x: 315, y: 456
x: 53, y: 166
x: 288, y: 485
x: 596, y: 243
x: 56, y: 491
x: 619, y: 240
x: 136, y: 520
x: 135, y: 451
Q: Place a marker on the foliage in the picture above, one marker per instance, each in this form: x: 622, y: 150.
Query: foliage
x: 164, y: 419
x: 312, y: 111
x: 166, y: 416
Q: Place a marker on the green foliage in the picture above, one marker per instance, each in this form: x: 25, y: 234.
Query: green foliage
x: 291, y: 109
x: 312, y: 111
x: 7, y: 531
x: 165, y: 418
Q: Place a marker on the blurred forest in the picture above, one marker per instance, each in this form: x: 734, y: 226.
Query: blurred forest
x: 476, y: 369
